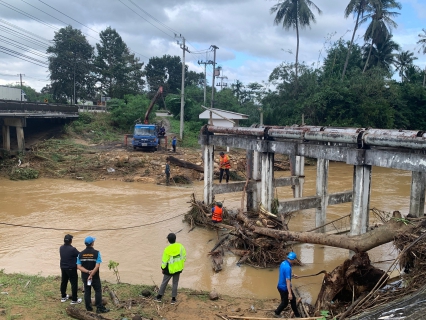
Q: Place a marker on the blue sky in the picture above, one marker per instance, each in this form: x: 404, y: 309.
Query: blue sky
x: 250, y: 46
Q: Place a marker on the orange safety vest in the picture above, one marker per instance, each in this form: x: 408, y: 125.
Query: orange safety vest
x: 224, y: 162
x: 217, y: 214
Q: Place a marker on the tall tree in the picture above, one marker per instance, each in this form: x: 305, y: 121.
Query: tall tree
x: 382, y: 54
x: 165, y: 71
x: 119, y: 71
x: 355, y: 7
x: 403, y: 60
x: 71, y: 65
x: 422, y: 42
x: 381, y: 23
x: 295, y: 14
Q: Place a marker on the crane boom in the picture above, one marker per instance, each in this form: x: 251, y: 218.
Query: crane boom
x: 159, y: 91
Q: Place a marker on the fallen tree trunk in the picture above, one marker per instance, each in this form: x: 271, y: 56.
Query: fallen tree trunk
x: 185, y: 164
x: 83, y: 314
x: 361, y: 243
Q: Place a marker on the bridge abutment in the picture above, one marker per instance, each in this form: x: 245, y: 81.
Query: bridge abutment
x: 19, y: 124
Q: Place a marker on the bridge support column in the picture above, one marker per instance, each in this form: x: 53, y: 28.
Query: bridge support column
x: 19, y: 123
x: 267, y: 175
x: 297, y: 167
x: 417, y: 195
x: 249, y: 174
x: 322, y: 193
x: 361, y: 199
x: 208, y: 173
x: 6, y: 137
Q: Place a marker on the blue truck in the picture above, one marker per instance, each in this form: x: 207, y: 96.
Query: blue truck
x: 145, y: 136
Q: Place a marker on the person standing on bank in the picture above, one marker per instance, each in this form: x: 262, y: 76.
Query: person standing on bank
x: 174, y: 141
x: 224, y: 166
x: 167, y: 172
x: 88, y: 262
x: 68, y: 261
x: 217, y: 212
x: 284, y: 286
x: 173, y: 262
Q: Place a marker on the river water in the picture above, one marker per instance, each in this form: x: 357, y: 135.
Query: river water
x: 131, y: 222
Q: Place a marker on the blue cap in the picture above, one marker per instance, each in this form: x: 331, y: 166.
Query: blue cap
x: 89, y: 240
x: 291, y: 256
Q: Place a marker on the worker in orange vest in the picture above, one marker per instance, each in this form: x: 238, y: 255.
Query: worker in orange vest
x: 224, y: 166
x: 217, y: 212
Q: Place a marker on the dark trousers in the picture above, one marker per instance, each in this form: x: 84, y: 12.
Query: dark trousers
x: 96, y: 284
x: 71, y: 276
x: 166, y: 279
x: 167, y: 178
x: 174, y: 148
x: 221, y: 175
x: 284, y: 303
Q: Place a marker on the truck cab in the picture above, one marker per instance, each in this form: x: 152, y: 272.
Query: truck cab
x: 145, y: 136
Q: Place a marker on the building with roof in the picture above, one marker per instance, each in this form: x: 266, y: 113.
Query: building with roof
x: 222, y: 117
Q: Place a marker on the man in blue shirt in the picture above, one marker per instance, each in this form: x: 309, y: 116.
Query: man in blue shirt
x: 88, y: 262
x: 284, y: 286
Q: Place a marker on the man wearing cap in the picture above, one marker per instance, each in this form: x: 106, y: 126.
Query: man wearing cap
x: 284, y: 286
x: 88, y: 262
x: 173, y: 262
x: 68, y: 255
x: 224, y: 165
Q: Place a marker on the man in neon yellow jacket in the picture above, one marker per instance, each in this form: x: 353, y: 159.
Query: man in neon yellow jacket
x: 174, y: 257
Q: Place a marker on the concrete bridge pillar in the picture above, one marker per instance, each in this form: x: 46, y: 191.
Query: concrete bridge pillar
x: 208, y: 173
x: 6, y: 137
x: 297, y: 167
x: 417, y: 195
x: 361, y: 199
x: 322, y: 193
x: 267, y: 177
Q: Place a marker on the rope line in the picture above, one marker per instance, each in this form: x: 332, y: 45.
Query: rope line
x: 107, y: 229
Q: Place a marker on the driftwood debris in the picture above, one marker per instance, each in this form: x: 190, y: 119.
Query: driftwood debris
x: 114, y: 298
x: 185, y: 164
x: 83, y: 314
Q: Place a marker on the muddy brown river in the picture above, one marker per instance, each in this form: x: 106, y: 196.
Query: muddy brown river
x: 131, y: 222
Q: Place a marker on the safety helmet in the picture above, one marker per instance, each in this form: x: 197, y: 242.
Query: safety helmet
x: 222, y: 153
x: 291, y: 256
x: 219, y: 204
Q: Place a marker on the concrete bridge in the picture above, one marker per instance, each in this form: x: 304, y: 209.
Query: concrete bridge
x: 362, y: 148
x: 16, y: 114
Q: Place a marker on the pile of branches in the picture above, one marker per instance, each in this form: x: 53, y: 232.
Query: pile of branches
x: 254, y: 249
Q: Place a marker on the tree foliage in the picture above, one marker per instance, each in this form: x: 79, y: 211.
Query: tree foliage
x: 164, y: 71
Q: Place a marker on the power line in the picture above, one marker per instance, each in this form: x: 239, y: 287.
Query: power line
x: 16, y: 27
x: 8, y: 53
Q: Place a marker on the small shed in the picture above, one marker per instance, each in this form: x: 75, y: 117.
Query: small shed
x: 218, y: 117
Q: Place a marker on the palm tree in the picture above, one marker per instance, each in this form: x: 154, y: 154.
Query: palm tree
x: 381, y: 54
x: 357, y: 7
x: 295, y: 14
x: 422, y: 42
x: 403, y: 60
x: 381, y: 24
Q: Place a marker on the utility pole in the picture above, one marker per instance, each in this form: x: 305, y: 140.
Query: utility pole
x: 20, y: 82
x: 205, y: 77
x: 182, y: 98
x: 214, y: 74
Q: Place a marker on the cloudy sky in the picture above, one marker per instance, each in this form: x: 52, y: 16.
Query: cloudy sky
x: 250, y: 46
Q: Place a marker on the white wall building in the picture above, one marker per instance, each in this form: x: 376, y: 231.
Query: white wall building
x: 218, y: 116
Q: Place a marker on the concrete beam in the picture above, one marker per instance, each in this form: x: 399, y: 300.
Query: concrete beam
x: 417, y: 195
x: 340, y: 197
x: 15, y: 122
x: 397, y: 159
x: 299, y: 204
x: 361, y: 200
x: 238, y: 142
x: 252, y: 185
x: 208, y: 173
x: 321, y: 151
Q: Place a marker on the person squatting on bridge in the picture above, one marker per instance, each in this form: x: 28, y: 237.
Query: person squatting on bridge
x: 88, y: 262
x: 224, y: 166
x: 217, y: 212
x: 68, y: 265
x: 173, y: 262
x: 284, y: 286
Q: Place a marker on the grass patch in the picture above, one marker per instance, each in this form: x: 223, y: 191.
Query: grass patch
x: 191, y: 131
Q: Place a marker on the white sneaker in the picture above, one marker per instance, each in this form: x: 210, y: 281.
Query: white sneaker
x: 65, y: 298
x: 77, y: 302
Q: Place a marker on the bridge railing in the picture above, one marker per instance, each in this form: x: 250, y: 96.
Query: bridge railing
x: 18, y: 106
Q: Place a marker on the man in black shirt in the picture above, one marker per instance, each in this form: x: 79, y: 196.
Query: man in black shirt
x: 68, y: 266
